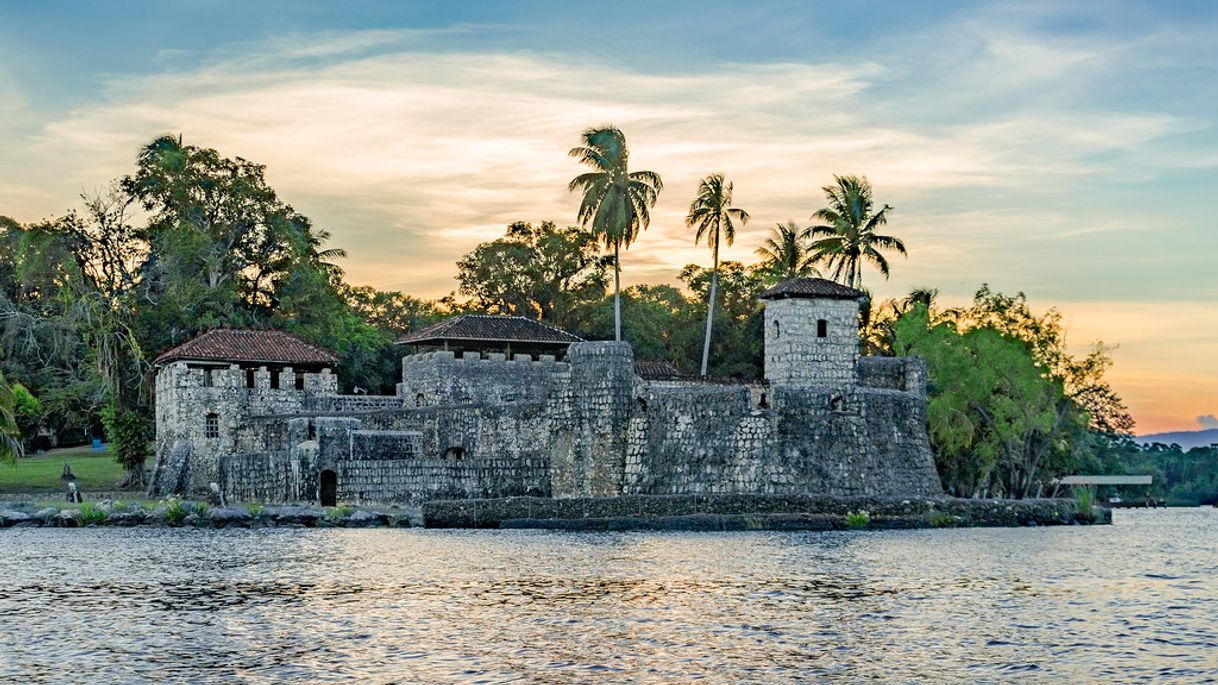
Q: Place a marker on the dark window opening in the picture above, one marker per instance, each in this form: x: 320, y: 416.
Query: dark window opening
x: 777, y: 330
x: 822, y: 328
x: 275, y: 379
x: 642, y: 404
x: 207, y: 382
x: 312, y: 431
x: 837, y: 403
x: 419, y: 400
x: 454, y: 453
x: 300, y: 381
x: 762, y: 403
x: 249, y: 378
x: 211, y: 426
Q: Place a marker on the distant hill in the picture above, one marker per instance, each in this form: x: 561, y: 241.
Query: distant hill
x: 1185, y: 439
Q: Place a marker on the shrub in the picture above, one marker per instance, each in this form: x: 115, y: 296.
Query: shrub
x: 1084, y: 499
x: 255, y: 510
x: 335, y: 513
x: 175, y: 511
x: 858, y: 519
x: 942, y: 519
x: 90, y: 515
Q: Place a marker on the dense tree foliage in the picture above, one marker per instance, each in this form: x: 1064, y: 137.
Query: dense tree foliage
x: 1010, y: 409
x: 541, y: 272
x: 87, y: 300
x: 10, y: 444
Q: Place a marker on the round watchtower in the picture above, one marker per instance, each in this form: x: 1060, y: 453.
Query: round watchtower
x: 811, y: 333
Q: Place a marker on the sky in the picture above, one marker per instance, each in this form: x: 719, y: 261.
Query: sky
x: 1066, y: 150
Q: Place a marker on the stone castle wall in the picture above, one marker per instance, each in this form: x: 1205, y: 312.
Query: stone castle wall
x: 858, y: 442
x: 187, y: 394
x: 442, y: 378
x: 823, y: 422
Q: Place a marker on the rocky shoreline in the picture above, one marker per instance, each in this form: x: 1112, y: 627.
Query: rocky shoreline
x: 637, y: 512
x: 755, y: 512
x: 186, y: 514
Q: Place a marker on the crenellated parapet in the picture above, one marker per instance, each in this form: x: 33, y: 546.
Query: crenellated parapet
x: 443, y: 378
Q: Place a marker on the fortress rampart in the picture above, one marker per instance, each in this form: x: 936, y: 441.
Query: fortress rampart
x: 473, y: 426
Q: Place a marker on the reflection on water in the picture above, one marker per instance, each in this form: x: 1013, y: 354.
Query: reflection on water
x: 1132, y: 602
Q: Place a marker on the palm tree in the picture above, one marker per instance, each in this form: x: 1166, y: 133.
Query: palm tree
x: 786, y: 254
x: 616, y: 201
x: 10, y: 446
x: 713, y: 215
x: 848, y: 237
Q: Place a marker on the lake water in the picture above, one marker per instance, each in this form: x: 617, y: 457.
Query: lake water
x: 1133, y: 602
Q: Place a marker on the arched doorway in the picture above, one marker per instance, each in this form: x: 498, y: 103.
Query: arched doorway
x: 328, y: 487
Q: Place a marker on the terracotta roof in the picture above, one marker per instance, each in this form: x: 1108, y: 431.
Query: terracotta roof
x: 486, y: 328
x: 657, y: 371
x: 811, y: 287
x: 229, y: 345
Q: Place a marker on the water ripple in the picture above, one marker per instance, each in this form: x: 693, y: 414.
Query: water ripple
x: 1131, y: 603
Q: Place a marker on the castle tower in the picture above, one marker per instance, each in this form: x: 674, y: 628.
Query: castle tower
x: 208, y: 387
x: 811, y: 333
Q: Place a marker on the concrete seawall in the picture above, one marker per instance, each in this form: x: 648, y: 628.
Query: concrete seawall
x: 750, y: 512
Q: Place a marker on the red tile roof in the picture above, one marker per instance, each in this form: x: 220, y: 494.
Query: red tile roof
x: 811, y: 287
x: 490, y: 329
x: 269, y: 347
x: 652, y: 370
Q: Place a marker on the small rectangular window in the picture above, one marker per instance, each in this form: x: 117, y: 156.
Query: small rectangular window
x: 822, y: 328
x: 211, y: 428
x: 300, y: 381
x: 249, y: 378
x: 207, y: 381
x: 275, y: 379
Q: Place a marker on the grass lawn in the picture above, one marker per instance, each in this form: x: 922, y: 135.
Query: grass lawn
x: 95, y: 471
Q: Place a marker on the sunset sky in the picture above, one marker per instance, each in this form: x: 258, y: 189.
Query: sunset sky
x: 1065, y: 150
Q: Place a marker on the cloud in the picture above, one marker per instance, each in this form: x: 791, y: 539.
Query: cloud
x: 1208, y: 421
x: 1006, y: 159
x: 411, y: 156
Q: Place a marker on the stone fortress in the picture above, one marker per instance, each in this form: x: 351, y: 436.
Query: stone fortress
x: 506, y: 406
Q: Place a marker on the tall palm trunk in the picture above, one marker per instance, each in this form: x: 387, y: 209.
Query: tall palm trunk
x: 710, y: 307
x: 617, y: 294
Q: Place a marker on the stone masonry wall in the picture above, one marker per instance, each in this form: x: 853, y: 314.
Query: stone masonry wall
x: 714, y: 440
x: 894, y: 373
x: 187, y: 394
x: 795, y: 355
x: 588, y: 427
x: 441, y: 378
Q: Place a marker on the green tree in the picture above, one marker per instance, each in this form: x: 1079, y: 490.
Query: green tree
x: 848, y: 237
x: 999, y: 426
x: 28, y: 411
x: 658, y: 320
x: 10, y: 437
x: 542, y: 272
x: 221, y: 244
x: 713, y: 216
x: 785, y: 254
x: 1081, y: 378
x: 738, y: 320
x: 616, y: 202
